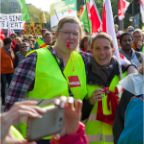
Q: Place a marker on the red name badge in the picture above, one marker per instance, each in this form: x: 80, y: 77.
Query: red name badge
x: 74, y: 81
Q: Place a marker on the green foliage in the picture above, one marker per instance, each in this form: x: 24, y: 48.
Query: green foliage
x: 34, y: 15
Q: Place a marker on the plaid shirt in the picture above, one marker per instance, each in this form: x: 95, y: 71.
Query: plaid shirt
x: 24, y: 77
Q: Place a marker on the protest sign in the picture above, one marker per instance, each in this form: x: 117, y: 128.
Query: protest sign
x: 61, y: 9
x: 12, y: 20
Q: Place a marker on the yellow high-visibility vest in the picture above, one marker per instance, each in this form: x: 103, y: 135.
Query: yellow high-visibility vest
x: 99, y: 132
x: 50, y: 82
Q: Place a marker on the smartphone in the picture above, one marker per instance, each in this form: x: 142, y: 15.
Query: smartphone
x: 50, y: 123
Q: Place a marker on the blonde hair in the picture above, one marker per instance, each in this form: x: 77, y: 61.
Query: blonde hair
x: 137, y: 31
x: 130, y: 27
x: 102, y: 35
x: 19, y: 39
x: 69, y: 19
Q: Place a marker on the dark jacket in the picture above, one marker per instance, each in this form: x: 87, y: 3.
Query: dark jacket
x: 18, y: 57
x: 118, y: 125
x: 16, y: 49
x: 93, y: 79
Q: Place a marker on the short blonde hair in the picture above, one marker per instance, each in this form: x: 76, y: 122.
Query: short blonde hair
x: 137, y: 31
x: 130, y: 27
x: 69, y: 19
x: 19, y: 39
x: 105, y: 36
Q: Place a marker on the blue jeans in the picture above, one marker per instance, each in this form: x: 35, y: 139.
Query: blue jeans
x: 4, y: 79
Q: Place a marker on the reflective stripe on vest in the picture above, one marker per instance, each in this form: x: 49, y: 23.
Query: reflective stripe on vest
x: 95, y: 127
x: 95, y: 138
x: 109, y: 138
x: 99, y: 137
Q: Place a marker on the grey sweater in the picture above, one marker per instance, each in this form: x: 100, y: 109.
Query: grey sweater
x: 133, y: 58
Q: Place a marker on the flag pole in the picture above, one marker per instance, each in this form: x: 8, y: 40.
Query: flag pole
x: 33, y: 27
x: 56, y: 15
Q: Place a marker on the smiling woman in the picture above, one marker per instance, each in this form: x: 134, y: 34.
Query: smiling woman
x: 102, y: 79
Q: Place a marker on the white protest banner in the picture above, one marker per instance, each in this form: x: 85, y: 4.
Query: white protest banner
x: 14, y: 20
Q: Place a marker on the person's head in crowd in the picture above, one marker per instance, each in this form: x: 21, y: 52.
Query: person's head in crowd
x: 7, y: 43
x: 13, y: 37
x: 130, y: 29
x: 32, y: 43
x: 18, y: 41
x: 53, y: 35
x: 116, y: 28
x: 53, y: 42
x: 102, y: 49
x: 24, y: 47
x: 35, y: 37
x: 27, y: 41
x: 137, y: 35
x: 43, y: 33
x: 118, y: 38
x: 126, y: 41
x: 30, y: 36
x: 25, y: 37
x: 143, y: 36
x: 48, y: 38
x: 84, y: 43
x: 1, y: 43
x: 68, y: 31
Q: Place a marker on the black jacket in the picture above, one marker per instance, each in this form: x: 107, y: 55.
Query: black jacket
x: 94, y: 79
x: 118, y: 125
x: 16, y: 49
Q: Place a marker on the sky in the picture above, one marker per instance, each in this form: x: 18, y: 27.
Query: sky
x: 43, y: 4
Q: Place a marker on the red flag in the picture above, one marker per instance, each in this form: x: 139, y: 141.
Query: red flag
x: 2, y: 36
x: 104, y: 29
x: 108, y: 27
x: 123, y: 5
x: 95, y: 18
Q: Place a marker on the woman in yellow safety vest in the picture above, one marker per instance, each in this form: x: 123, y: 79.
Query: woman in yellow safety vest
x: 100, y: 105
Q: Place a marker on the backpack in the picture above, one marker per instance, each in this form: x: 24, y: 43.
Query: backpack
x: 138, y: 56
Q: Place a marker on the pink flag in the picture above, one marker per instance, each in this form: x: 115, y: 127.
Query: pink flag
x: 108, y: 27
x: 123, y: 5
x: 142, y: 10
x: 10, y: 31
x: 95, y: 18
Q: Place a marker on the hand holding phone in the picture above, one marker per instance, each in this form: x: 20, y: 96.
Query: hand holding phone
x: 50, y: 123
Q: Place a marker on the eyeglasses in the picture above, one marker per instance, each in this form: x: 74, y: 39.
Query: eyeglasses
x: 24, y: 46
x: 137, y: 36
x: 67, y: 33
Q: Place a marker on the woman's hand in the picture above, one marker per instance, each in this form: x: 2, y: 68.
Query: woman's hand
x: 96, y: 96
x: 25, y: 108
x: 72, y: 115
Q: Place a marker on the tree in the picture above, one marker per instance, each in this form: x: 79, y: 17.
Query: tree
x: 34, y: 15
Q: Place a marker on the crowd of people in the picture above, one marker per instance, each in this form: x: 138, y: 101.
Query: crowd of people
x: 79, y: 67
